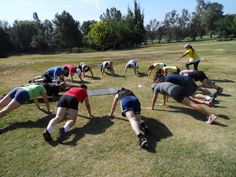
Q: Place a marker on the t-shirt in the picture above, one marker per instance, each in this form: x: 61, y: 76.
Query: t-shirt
x: 192, y: 54
x: 171, y: 69
x: 79, y: 93
x: 78, y: 71
x: 125, y: 92
x: 106, y: 64
x: 183, y: 81
x: 164, y: 88
x: 35, y: 90
x: 161, y: 65
x: 132, y: 63
x: 185, y: 72
x: 55, y: 71
x: 72, y: 68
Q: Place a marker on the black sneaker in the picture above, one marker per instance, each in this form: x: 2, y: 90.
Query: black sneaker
x: 144, y: 128
x: 62, y: 135
x: 47, y: 136
x: 143, y: 142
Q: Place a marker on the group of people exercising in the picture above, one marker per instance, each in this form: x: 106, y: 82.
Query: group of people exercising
x: 168, y: 80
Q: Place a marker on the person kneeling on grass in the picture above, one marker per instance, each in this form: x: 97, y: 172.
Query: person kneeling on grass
x: 68, y: 102
x: 20, y: 95
x: 130, y: 107
x: 180, y: 95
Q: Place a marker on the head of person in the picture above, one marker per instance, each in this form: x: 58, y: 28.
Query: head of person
x: 151, y: 67
x: 83, y: 86
x: 65, y: 70
x: 188, y: 46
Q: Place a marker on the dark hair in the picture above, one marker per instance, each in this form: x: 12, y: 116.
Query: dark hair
x: 83, y: 86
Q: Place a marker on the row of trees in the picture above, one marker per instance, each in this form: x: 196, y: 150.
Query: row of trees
x: 208, y: 19
x: 113, y: 30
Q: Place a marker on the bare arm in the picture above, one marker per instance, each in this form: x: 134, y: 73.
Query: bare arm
x: 36, y: 103
x: 71, y: 77
x: 91, y: 71
x: 114, y: 104
x: 86, y: 100
x: 154, y: 99
x: 125, y: 70
x: 45, y: 99
x: 185, y: 53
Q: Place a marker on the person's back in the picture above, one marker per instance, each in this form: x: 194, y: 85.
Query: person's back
x: 35, y: 90
x: 79, y: 93
x: 164, y: 88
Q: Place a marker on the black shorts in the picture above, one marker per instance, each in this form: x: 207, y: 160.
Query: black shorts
x: 68, y: 102
x: 198, y: 76
x: 178, y: 93
x: 47, y: 78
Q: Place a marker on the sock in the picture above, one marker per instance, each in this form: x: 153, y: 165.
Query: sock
x: 50, y: 128
x: 66, y: 127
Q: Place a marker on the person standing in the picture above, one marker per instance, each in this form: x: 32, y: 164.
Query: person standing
x: 194, y: 59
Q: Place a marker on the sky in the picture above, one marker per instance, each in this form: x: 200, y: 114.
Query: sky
x: 83, y: 10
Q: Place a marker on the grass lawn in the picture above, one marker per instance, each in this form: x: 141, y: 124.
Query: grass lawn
x: 181, y: 143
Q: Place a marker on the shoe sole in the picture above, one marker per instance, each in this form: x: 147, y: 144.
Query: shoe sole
x: 209, y: 122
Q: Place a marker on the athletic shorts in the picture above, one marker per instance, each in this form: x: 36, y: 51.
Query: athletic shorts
x: 129, y: 103
x: 68, y: 102
x: 19, y: 94
x: 190, y: 87
x: 178, y: 93
x: 198, y: 76
x: 85, y: 68
x: 47, y: 78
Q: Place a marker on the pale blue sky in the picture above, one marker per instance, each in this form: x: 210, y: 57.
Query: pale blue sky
x: 83, y: 10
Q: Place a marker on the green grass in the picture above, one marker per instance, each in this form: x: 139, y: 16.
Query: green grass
x: 181, y: 143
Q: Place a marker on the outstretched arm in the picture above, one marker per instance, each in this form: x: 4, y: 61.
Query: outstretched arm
x: 45, y: 99
x: 86, y: 100
x: 91, y: 71
x: 154, y: 99
x: 114, y: 104
x: 185, y: 53
x: 125, y: 70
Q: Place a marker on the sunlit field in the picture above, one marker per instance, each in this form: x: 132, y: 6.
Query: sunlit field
x: 181, y: 143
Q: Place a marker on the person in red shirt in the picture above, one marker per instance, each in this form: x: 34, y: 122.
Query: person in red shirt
x: 68, y: 102
x: 73, y: 70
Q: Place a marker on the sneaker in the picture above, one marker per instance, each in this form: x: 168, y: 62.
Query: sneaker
x: 219, y: 90
x: 143, y: 142
x: 211, y: 118
x: 61, y: 135
x: 213, y: 95
x: 209, y: 103
x: 211, y: 82
x: 47, y: 136
x: 144, y: 128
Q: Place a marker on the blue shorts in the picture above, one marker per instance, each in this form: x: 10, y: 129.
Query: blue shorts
x: 19, y: 94
x: 129, y: 103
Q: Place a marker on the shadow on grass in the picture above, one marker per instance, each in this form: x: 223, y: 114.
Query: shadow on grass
x: 114, y: 75
x: 141, y: 74
x: 224, y: 80
x: 40, y: 123
x: 81, y: 82
x: 194, y: 114
x: 226, y: 95
x: 94, y: 77
x: 158, y: 131
x: 96, y: 125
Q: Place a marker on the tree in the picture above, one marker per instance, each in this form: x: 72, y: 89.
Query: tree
x: 135, y: 24
x: 170, y: 24
x: 183, y: 23
x: 226, y: 26
x: 21, y: 34
x: 85, y: 27
x: 5, y: 43
x: 212, y: 13
x: 198, y: 17
x: 152, y: 29
x: 98, y: 35
x: 67, y: 33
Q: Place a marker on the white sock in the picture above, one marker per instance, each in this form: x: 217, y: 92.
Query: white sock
x: 66, y: 127
x: 50, y: 128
